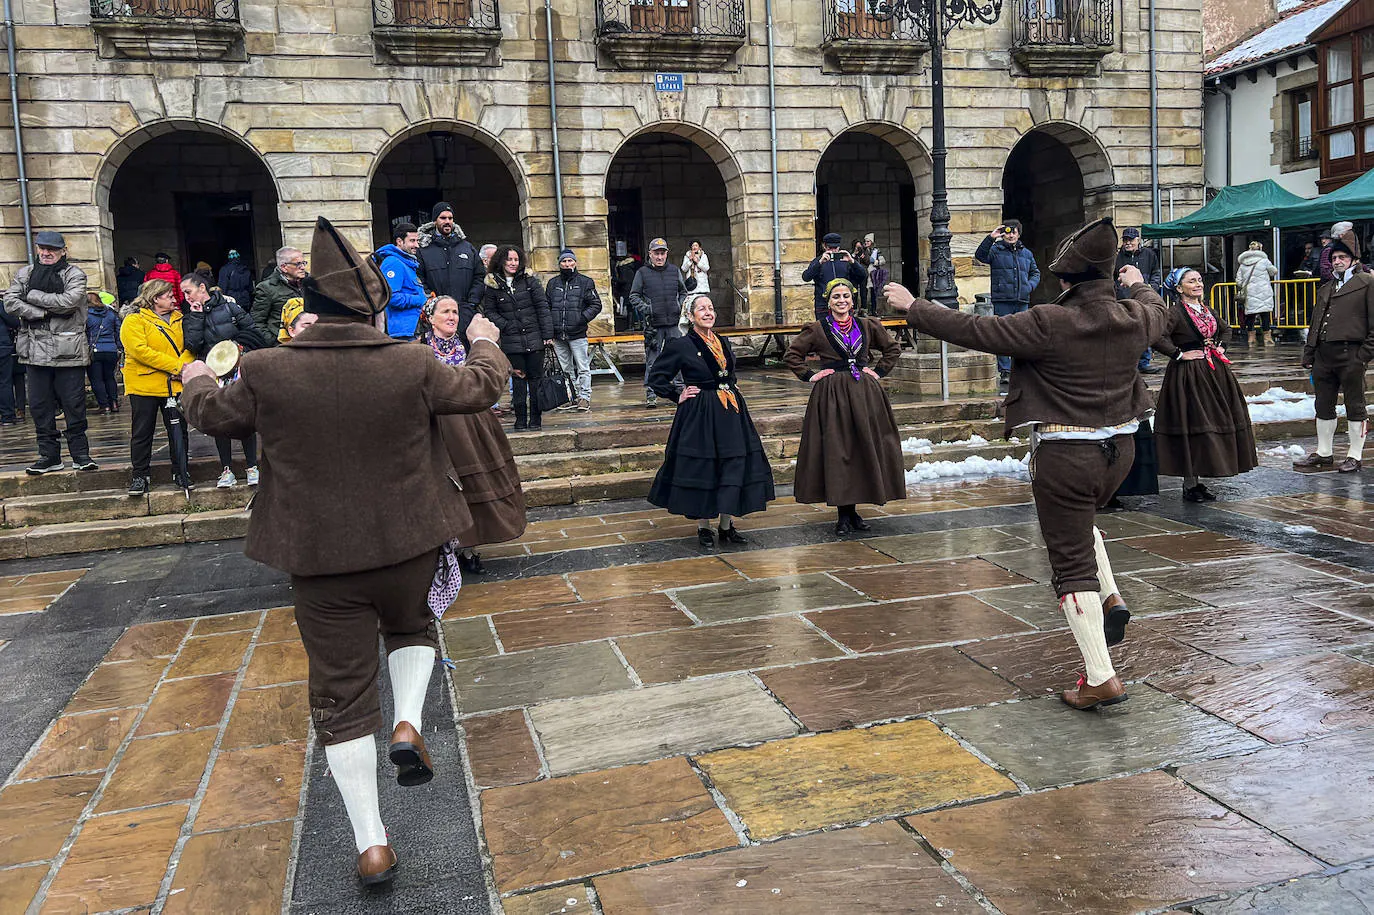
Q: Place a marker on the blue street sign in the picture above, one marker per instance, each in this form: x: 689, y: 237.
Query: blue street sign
x: 668, y: 82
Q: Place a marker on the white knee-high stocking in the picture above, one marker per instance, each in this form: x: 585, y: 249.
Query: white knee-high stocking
x: 1083, y: 609
x: 1357, y: 429
x: 410, y: 669
x: 1326, y: 437
x: 354, y: 766
x: 1106, y: 581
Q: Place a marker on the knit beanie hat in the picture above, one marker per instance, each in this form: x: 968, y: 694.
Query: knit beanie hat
x: 567, y: 252
x: 440, y: 207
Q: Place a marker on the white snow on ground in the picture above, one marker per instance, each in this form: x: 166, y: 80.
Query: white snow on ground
x: 1298, y: 529
x: 1278, y: 405
x: 969, y: 467
x: 1294, y: 451
x: 926, y: 446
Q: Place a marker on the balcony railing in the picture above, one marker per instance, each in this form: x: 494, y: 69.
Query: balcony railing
x: 1087, y: 23
x: 708, y: 18
x: 202, y: 10
x: 849, y: 20
x: 1304, y: 148
x: 437, y: 14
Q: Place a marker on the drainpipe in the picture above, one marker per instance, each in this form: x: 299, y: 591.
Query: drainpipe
x: 18, y: 133
x: 1228, y: 138
x: 553, y: 125
x: 773, y: 168
x: 1154, y: 120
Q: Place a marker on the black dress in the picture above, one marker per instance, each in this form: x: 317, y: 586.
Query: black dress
x: 1143, y: 480
x: 714, y: 463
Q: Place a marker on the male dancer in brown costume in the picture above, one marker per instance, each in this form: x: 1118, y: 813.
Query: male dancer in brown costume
x: 1074, y: 381
x: 355, y: 500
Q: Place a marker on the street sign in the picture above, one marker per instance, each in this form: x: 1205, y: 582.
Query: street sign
x: 668, y: 82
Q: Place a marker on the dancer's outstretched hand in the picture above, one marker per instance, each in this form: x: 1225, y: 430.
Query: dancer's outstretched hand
x: 1129, y: 276
x: 898, y: 297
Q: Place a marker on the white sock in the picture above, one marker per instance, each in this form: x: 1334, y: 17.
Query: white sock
x: 354, y: 765
x: 1083, y: 609
x: 1326, y: 437
x: 726, y: 523
x: 1357, y: 431
x: 410, y: 669
x: 1106, y: 581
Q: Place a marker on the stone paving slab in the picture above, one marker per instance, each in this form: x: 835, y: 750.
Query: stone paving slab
x: 1263, y: 630
x: 1338, y: 894
x: 668, y: 656
x: 621, y: 581
x: 571, y: 623
x: 581, y: 825
x: 1349, y: 601
x: 799, y: 560
x: 1119, y: 846
x: 914, y: 623
x: 1316, y: 795
x: 876, y: 870
x: 766, y: 597
x: 561, y: 672
x: 1038, y: 605
x: 501, y: 750
x: 1234, y: 582
x: 847, y: 776
x: 925, y: 579
x: 645, y: 724
x: 973, y: 541
x: 1198, y: 546
x: 1150, y: 730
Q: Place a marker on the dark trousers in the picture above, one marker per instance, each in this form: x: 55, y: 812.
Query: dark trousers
x: 225, y: 447
x: 7, y: 385
x: 21, y: 377
x: 49, y: 389
x: 143, y: 413
x: 102, y: 372
x: 523, y: 399
x: 1337, y: 369
x: 1070, y: 481
x: 339, y: 617
x: 1258, y: 322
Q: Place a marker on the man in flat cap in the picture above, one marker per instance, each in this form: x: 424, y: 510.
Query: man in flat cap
x: 833, y: 263
x: 1340, y: 343
x: 357, y: 496
x: 1074, y: 383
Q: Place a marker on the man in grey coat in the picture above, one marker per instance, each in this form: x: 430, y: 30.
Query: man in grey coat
x: 49, y: 300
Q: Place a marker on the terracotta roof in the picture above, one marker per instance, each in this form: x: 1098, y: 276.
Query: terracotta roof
x: 1296, y: 21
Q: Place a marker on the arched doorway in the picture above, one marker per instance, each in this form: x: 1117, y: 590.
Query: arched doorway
x: 456, y: 164
x: 1056, y: 179
x: 666, y: 185
x: 875, y: 178
x: 194, y: 193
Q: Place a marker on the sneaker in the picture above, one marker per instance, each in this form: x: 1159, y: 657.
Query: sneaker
x: 85, y: 464
x: 584, y: 406
x: 252, y: 476
x: 183, y: 481
x: 138, y: 486
x: 226, y: 479
x: 651, y: 400
x: 565, y: 408
x: 42, y: 466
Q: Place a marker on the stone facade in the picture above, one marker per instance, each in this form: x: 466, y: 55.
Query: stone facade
x: 335, y: 124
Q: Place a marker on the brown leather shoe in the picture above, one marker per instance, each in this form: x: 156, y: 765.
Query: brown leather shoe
x: 410, y: 756
x: 376, y: 865
x: 1085, y: 697
x: 1349, y: 465
x: 1314, y: 461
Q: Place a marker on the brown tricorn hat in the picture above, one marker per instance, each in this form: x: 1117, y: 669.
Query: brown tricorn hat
x: 1088, y: 254
x: 342, y: 281
x: 1347, y: 242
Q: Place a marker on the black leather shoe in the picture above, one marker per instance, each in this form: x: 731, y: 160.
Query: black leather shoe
x: 1114, y: 623
x: 857, y: 523
x: 843, y: 526
x: 1207, y: 494
x: 1194, y: 494
x: 705, y: 537
x: 520, y: 426
x: 731, y: 535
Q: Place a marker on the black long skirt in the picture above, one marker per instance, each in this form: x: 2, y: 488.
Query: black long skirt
x: 1143, y: 480
x: 714, y: 463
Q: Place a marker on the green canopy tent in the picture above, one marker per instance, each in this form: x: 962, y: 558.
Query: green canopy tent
x: 1353, y: 202
x: 1239, y: 208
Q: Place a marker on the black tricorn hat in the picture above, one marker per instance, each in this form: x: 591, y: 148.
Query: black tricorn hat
x: 342, y: 281
x: 1088, y: 254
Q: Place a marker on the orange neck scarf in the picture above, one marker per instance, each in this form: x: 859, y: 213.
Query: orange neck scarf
x: 727, y: 397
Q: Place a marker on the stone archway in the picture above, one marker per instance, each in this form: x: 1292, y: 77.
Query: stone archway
x: 1056, y: 178
x: 678, y: 182
x: 190, y: 189
x: 457, y: 163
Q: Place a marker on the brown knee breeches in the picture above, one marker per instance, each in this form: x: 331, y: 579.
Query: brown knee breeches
x: 339, y: 617
x: 1070, y: 480
x: 1337, y: 369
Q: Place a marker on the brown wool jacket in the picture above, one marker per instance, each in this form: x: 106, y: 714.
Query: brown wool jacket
x: 355, y: 475
x: 1348, y: 315
x: 1074, y: 361
x: 812, y: 340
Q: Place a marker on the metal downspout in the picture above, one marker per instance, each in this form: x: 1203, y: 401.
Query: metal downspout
x: 18, y: 132
x: 553, y: 125
x: 773, y: 168
x: 1154, y: 119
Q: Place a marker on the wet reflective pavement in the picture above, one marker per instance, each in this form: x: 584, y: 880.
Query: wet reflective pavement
x: 796, y: 725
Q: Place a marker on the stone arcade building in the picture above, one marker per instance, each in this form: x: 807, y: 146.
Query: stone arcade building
x: 195, y: 126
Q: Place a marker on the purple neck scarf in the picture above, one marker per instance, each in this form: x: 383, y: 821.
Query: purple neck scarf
x: 851, y: 339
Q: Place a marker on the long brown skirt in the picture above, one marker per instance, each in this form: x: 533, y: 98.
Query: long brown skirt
x: 1202, y: 425
x: 480, y: 452
x: 851, y: 452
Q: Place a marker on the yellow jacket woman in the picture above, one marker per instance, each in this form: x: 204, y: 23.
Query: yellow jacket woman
x: 154, y: 353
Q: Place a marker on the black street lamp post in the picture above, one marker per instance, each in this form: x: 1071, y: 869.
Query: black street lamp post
x: 937, y: 18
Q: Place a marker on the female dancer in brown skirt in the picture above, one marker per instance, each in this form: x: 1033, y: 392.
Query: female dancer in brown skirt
x: 851, y: 451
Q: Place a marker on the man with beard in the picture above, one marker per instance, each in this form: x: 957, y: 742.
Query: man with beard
x: 449, y: 265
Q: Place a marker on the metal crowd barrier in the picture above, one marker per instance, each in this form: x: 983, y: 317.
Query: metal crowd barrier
x: 1293, y: 301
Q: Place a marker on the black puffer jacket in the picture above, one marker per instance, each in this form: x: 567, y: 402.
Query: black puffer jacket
x: 573, y: 303
x: 520, y: 312
x: 220, y: 319
x: 656, y: 294
x: 236, y: 281
x: 449, y: 266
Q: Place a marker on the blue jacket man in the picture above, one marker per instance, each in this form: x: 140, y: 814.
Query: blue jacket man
x: 1014, y: 276
x: 399, y: 266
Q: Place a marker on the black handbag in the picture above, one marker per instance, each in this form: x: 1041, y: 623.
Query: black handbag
x: 551, y: 391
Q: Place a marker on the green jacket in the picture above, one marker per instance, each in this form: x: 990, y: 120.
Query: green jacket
x: 269, y: 297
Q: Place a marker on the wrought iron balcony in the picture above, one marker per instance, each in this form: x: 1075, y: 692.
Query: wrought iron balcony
x: 168, y: 29
x: 427, y: 32
x: 862, y: 36
x: 1303, y: 148
x: 682, y: 34
x: 1062, y: 37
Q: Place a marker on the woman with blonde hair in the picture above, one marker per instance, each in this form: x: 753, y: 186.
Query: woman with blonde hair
x: 154, y: 354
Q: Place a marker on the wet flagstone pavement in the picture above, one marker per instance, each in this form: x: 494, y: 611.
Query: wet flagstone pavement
x: 794, y: 726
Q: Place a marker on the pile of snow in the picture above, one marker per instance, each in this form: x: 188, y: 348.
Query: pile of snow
x: 974, y: 441
x: 926, y: 446
x: 969, y: 467
x: 918, y: 446
x: 1278, y: 405
x: 1293, y: 451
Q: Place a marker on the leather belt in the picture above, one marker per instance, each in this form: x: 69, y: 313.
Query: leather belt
x: 1044, y: 428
